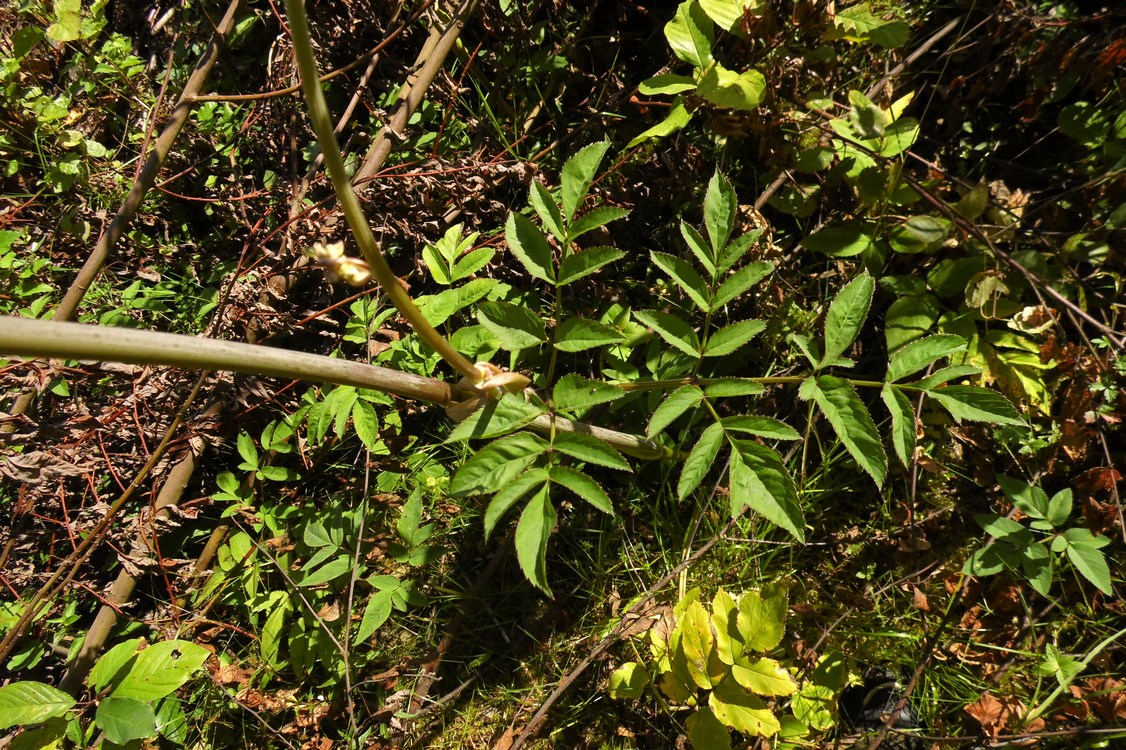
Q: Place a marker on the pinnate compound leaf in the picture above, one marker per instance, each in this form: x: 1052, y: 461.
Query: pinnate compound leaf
x: 532, y: 532
x: 580, y: 334
x: 544, y: 204
x: 583, y: 486
x: 161, y: 669
x: 922, y: 353
x: 729, y: 338
x: 673, y: 330
x: 902, y: 422
x: 586, y: 262
x: 759, y: 480
x: 510, y: 495
x: 740, y: 281
x: 742, y: 711
x: 720, y: 205
x: 706, y: 732
x: 27, y: 702
x: 590, y: 449
x: 699, y: 461
x: 677, y: 402
x: 578, y: 173
x: 530, y: 247
x: 976, y: 404
x: 595, y: 218
x: 846, y: 316
x: 125, y: 719
x: 838, y: 401
x: 574, y: 392
x: 690, y: 34
x: 496, y: 418
x: 514, y: 326
x: 763, y: 676
x: 766, y: 427
x: 495, y: 465
x: 685, y: 276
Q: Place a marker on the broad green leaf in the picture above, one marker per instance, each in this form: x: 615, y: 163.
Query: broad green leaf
x: 530, y: 247
x: 1059, y: 508
x: 891, y: 34
x: 763, y: 676
x: 574, y: 392
x: 366, y: 425
x: 437, y: 265
x: 27, y: 702
x: 686, y: 278
x: 125, y: 719
x: 739, y: 282
x: 908, y: 319
x: 761, y: 620
x: 766, y: 427
x: 68, y: 21
x: 728, y: 387
x: 699, y: 461
x: 270, y: 639
x: 1090, y: 561
x: 507, y: 497
x: 698, y: 642
x: 838, y: 401
x: 759, y: 480
x: 248, y: 451
x: 544, y: 205
x: 578, y: 173
x: 515, y: 327
x: 899, y: 136
x: 1005, y: 529
x: 586, y: 262
x: 847, y: 313
x: 728, y: 15
x: 672, y: 329
x: 580, y: 334
x: 161, y: 669
x: 865, y: 26
x: 110, y: 663
x: 589, y: 449
x: 496, y: 418
x: 842, y: 240
x: 976, y: 404
x: 583, y: 486
x: 918, y: 234
x: 902, y: 422
x: 595, y: 218
x: 472, y: 262
x: 437, y: 308
x: 808, y: 347
x: 921, y: 353
x: 736, y: 249
x: 706, y: 732
x: 666, y: 84
x: 729, y: 338
x: 991, y: 560
x: 690, y: 34
x: 628, y: 681
x: 720, y: 205
x: 532, y: 532
x: 866, y: 118
x: 742, y: 711
x: 1031, y: 500
x: 731, y: 90
x: 1036, y: 562
x: 376, y: 612
x: 330, y: 571
x: 50, y: 735
x: 316, y: 535
x: 497, y: 464
x: 675, y: 404
x: 699, y: 247
x: 675, y: 120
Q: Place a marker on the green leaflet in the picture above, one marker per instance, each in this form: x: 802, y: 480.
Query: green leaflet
x: 532, y: 532
x: 838, y: 401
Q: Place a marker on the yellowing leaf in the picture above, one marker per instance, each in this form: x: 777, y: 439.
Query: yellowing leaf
x: 764, y: 676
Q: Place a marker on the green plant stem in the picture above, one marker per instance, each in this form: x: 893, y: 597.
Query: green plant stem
x: 664, y: 385
x: 353, y: 213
